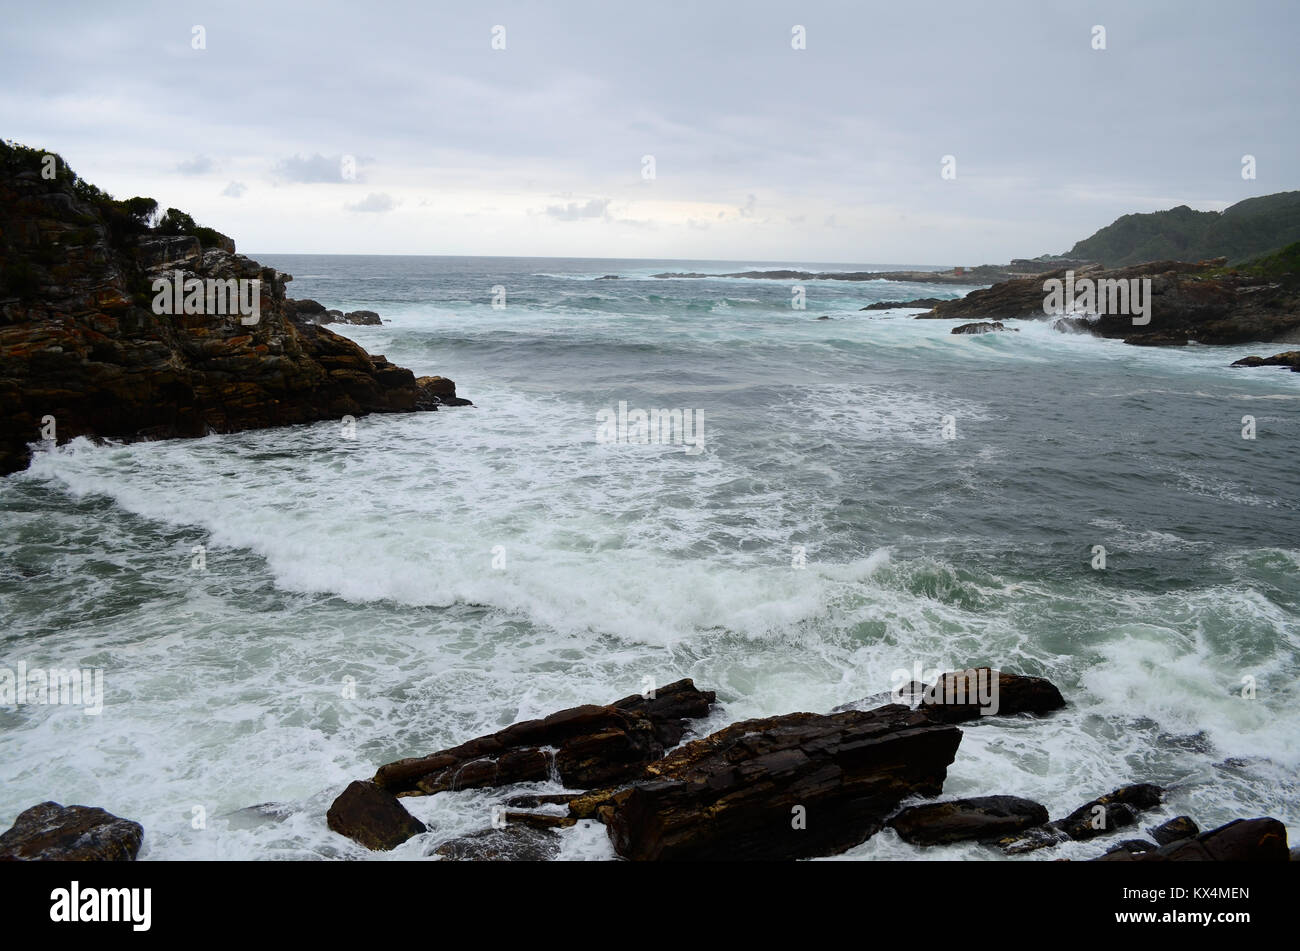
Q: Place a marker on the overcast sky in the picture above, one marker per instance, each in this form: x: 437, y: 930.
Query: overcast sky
x: 761, y: 152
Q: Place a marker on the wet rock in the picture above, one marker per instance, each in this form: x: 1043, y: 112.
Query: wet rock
x: 1101, y: 816
x: 609, y: 277
x: 980, y: 327
x: 959, y: 696
x: 514, y: 843
x: 369, y: 815
x: 582, y: 747
x: 980, y: 818
x: 439, y: 391
x: 540, y: 820
x: 926, y: 302
x: 1134, y: 846
x: 1242, y: 840
x: 80, y: 341
x: 362, y: 318
x: 49, y: 832
x: 781, y: 787
x: 1289, y: 359
x: 1181, y: 827
x: 1113, y: 811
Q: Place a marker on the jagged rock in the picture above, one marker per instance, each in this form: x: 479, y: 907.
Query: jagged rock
x: 1242, y: 840
x: 514, y: 843
x: 440, y: 391
x: 958, y: 696
x: 1118, y: 809
x: 582, y: 746
x: 1134, y: 846
x: 1189, y: 302
x: 926, y: 302
x: 609, y: 277
x: 1180, y: 827
x: 1101, y: 816
x: 980, y: 327
x: 983, y: 817
x: 362, y: 318
x: 782, y: 787
x: 1289, y: 359
x: 80, y: 342
x: 372, y: 817
x: 49, y: 832
x: 540, y: 820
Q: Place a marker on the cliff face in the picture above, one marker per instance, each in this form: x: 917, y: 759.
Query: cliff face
x: 83, y: 353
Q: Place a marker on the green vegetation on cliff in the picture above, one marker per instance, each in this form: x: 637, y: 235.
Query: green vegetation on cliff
x: 1241, y: 232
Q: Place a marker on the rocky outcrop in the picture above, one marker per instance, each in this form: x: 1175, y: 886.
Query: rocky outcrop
x: 49, y: 832
x: 782, y: 787
x: 926, y: 302
x: 1201, y: 302
x: 582, y: 747
x: 981, y: 818
x: 1101, y: 816
x: 1180, y: 827
x: 980, y: 327
x: 1242, y: 840
x: 83, y: 352
x: 372, y: 816
x: 316, y: 313
x: 1289, y: 359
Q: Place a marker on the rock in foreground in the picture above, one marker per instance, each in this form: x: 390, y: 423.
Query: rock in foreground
x: 981, y: 818
x: 372, y: 817
x: 784, y: 787
x: 1242, y: 840
x: 49, y: 832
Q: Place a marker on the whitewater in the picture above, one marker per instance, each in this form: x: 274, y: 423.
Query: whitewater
x: 417, y: 580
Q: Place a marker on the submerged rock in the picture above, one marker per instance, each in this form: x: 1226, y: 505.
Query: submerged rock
x: 983, y: 817
x: 439, y: 391
x: 926, y: 302
x: 514, y: 843
x: 980, y: 327
x: 1100, y: 816
x: 49, y: 832
x: 372, y: 817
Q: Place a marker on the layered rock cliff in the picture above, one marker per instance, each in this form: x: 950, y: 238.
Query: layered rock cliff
x: 83, y: 351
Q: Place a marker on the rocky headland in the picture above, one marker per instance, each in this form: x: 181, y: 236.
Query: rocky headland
x: 84, y: 352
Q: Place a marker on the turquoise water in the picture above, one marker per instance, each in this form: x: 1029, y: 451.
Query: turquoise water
x: 473, y: 567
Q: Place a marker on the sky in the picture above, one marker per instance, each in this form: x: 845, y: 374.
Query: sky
x: 950, y: 133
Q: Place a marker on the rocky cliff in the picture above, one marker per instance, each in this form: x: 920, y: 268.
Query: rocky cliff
x: 84, y: 352
x: 1204, y: 302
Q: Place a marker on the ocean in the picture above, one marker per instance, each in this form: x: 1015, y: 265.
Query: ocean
x: 872, y: 494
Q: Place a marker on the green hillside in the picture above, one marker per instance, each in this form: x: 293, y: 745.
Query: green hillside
x: 1243, y: 231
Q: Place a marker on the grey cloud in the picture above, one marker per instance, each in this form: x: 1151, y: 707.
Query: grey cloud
x: 318, y: 169
x: 234, y: 190
x: 595, y: 208
x: 199, y: 165
x: 375, y: 202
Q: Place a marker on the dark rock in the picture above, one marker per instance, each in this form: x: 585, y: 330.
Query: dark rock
x: 373, y: 817
x: 609, y: 277
x: 79, y: 339
x: 984, y: 817
x: 1289, y: 359
x: 1133, y: 846
x: 540, y: 820
x: 363, y: 318
x: 587, y: 746
x: 1181, y: 827
x: 980, y: 327
x: 1110, y: 812
x: 1189, y: 302
x: 49, y: 832
x: 438, y: 391
x: 926, y: 302
x: 959, y: 696
x: 1242, y: 840
x: 783, y: 787
x: 514, y: 843
x: 823, y: 317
